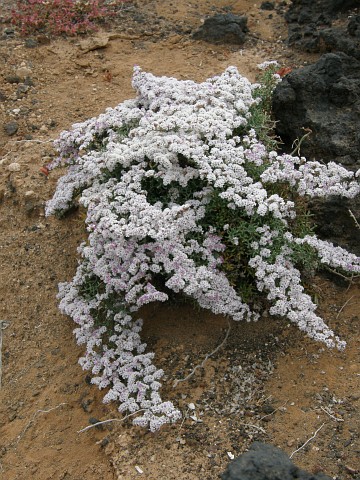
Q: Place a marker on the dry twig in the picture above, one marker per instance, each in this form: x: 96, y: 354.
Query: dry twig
x: 19, y: 437
x: 331, y: 415
x: 110, y: 420
x: 342, y: 308
x: 275, y: 410
x: 354, y: 218
x: 348, y: 279
x: 307, y: 441
x: 201, y: 365
x: 251, y: 425
x: 33, y: 141
x: 297, y: 143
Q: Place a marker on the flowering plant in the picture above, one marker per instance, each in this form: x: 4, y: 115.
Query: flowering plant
x: 181, y: 194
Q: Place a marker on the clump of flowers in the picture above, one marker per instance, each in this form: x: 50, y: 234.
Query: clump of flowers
x: 182, y: 195
x: 57, y: 17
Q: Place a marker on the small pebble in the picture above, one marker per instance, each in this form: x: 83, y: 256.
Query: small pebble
x: 268, y: 409
x: 105, y: 441
x: 11, y: 128
x: 93, y: 421
x: 30, y: 193
x: 31, y: 43
x: 13, y: 79
x: 23, y: 72
x: 14, y: 167
x: 22, y: 89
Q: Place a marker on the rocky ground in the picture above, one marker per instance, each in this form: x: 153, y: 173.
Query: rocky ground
x: 265, y: 382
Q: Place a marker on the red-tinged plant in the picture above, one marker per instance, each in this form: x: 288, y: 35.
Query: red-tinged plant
x: 284, y: 71
x: 62, y: 17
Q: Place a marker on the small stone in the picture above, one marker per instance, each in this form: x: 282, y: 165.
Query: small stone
x: 11, y: 128
x: 31, y: 43
x: 268, y: 409
x: 10, y: 32
x: 94, y: 421
x: 29, y: 82
x: 14, y: 167
x: 86, y: 405
x: 82, y: 62
x: 105, y: 441
x: 23, y: 72
x: 2, y: 97
x: 94, y: 43
x: 30, y: 194
x: 267, y: 6
x: 43, y: 39
x: 22, y: 89
x: 12, y: 79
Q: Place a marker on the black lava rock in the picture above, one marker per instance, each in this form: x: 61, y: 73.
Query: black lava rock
x: 310, y: 26
x: 354, y: 26
x: 21, y: 90
x: 13, y: 79
x: 334, y: 222
x: 267, y: 6
x: 340, y: 5
x: 324, y: 97
x: 31, y: 43
x: 11, y: 128
x: 223, y: 28
x: 9, y: 32
x: 266, y: 462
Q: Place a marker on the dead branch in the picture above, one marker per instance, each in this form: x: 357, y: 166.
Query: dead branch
x: 342, y: 308
x: 110, y: 420
x: 28, y: 425
x: 307, y: 441
x: 326, y: 410
x: 201, y: 365
x: 354, y: 218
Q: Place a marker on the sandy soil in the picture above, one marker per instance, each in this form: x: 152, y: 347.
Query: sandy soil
x: 266, y: 381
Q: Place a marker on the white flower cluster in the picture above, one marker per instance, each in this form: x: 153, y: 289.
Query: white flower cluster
x: 268, y: 64
x: 282, y: 282
x: 311, y: 178
x: 147, y: 172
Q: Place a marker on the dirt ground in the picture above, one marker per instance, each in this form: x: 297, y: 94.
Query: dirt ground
x: 265, y: 382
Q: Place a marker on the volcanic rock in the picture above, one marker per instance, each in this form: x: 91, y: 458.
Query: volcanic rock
x: 325, y: 98
x: 310, y: 26
x: 11, y: 128
x: 266, y: 462
x: 223, y: 28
